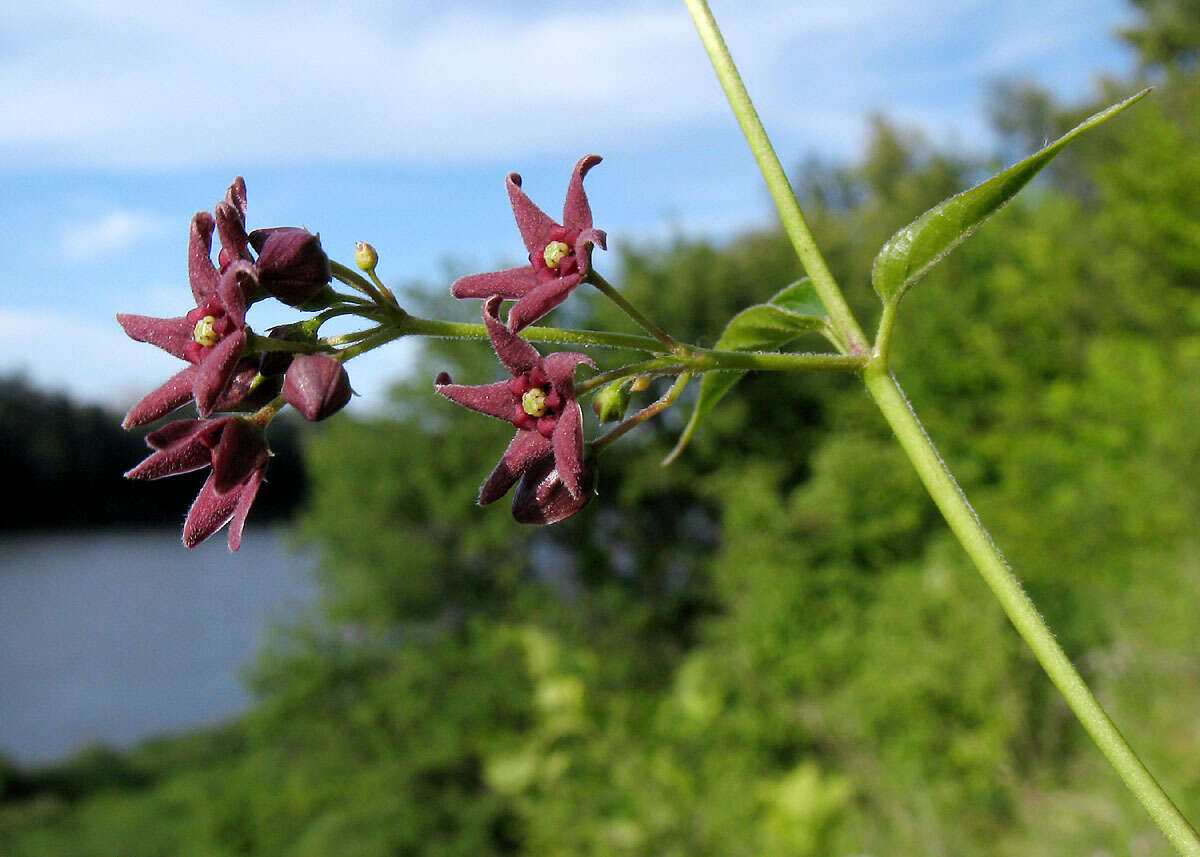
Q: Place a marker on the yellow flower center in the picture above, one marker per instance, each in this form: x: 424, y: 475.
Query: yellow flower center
x: 534, y: 402
x: 555, y: 252
x: 206, y: 332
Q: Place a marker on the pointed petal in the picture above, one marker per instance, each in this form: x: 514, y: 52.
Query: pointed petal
x: 540, y: 301
x: 535, y: 224
x: 236, y: 195
x: 568, y: 447
x: 245, y: 500
x: 202, y: 273
x: 526, y: 448
x: 495, y: 400
x: 209, y: 512
x: 512, y: 283
x: 231, y: 226
x: 236, y: 286
x: 517, y: 355
x: 577, y: 214
x: 541, y: 497
x: 560, y: 369
x: 182, y: 446
x: 236, y: 455
x: 173, y: 433
x: 172, y: 335
x: 176, y: 392
x: 217, y: 370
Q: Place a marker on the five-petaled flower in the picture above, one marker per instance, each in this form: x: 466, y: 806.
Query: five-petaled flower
x: 211, y: 337
x: 559, y: 254
x: 237, y: 451
x: 546, y: 454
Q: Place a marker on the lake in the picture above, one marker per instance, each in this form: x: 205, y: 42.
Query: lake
x: 112, y: 637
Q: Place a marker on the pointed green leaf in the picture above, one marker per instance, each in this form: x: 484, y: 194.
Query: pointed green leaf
x: 791, y: 312
x: 916, y: 248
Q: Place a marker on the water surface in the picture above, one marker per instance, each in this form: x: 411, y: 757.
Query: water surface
x: 111, y: 637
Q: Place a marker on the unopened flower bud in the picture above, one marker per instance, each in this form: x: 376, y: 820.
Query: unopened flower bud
x: 291, y: 264
x: 640, y: 383
x: 317, y: 386
x: 365, y: 256
x: 610, y: 403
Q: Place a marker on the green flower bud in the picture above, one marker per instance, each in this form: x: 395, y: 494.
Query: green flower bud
x: 610, y: 403
x: 365, y: 256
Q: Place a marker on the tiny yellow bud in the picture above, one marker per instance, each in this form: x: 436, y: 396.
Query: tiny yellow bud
x: 534, y: 402
x: 365, y: 256
x: 555, y: 252
x: 640, y: 383
x: 206, y: 333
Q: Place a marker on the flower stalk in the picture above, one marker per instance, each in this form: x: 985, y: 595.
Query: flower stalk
x: 931, y: 467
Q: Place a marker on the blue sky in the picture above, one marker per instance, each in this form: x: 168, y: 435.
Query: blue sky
x: 396, y: 122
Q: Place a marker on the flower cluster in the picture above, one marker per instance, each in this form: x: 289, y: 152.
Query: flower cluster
x: 225, y: 373
x: 546, y: 459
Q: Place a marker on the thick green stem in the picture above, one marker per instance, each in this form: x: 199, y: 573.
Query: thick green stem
x: 929, y: 465
x: 1021, y: 611
x: 777, y: 180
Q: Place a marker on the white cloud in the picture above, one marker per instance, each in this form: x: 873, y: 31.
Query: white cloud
x: 141, y: 83
x: 109, y: 233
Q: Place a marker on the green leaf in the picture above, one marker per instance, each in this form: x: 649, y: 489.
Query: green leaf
x: 916, y: 248
x: 792, y: 312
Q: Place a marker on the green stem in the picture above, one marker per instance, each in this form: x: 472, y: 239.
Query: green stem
x: 658, y: 366
x: 1021, y: 611
x: 633, y: 312
x: 464, y: 330
x: 652, y: 410
x: 929, y: 465
x: 355, y: 280
x: 777, y: 180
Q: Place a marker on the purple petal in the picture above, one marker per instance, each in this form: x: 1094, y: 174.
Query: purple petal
x: 173, y: 433
x: 202, y: 273
x: 245, y: 500
x: 495, y: 400
x: 525, y: 449
x: 517, y: 355
x: 568, y: 447
x: 236, y: 455
x: 535, y: 224
x: 217, y: 370
x: 175, y: 392
x: 317, y: 386
x: 541, y: 300
x: 172, y: 335
x: 236, y: 195
x: 231, y: 226
x: 512, y: 283
x: 577, y: 214
x: 243, y: 394
x: 236, y: 286
x: 560, y: 368
x: 541, y: 497
x: 182, y: 446
x: 209, y: 512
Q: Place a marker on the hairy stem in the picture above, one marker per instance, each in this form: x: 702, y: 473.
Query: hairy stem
x: 777, y: 180
x: 932, y: 469
x: 961, y: 517
x: 633, y: 312
x: 652, y: 410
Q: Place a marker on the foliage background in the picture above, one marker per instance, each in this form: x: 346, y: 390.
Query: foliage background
x: 774, y: 646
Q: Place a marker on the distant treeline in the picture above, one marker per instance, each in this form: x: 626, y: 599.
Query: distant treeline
x: 63, y: 463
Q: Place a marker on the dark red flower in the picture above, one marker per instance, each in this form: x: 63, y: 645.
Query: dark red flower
x: 559, y: 254
x: 546, y: 454
x: 291, y: 264
x: 317, y: 386
x: 237, y: 452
